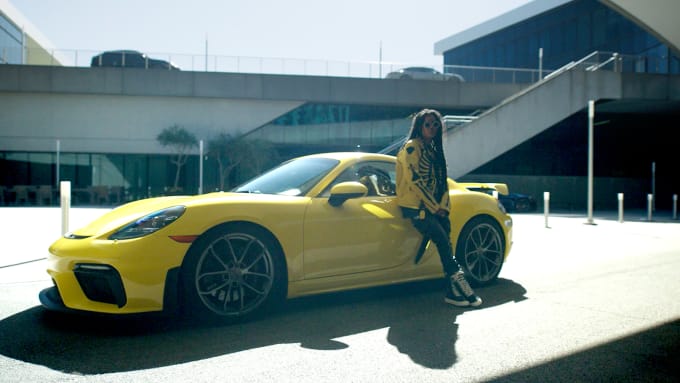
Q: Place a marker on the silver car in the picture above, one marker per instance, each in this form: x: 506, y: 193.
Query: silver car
x: 424, y: 73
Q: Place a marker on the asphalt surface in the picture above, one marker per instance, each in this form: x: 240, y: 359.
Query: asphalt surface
x: 575, y: 302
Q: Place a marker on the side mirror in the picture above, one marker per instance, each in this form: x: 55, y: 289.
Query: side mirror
x: 346, y: 190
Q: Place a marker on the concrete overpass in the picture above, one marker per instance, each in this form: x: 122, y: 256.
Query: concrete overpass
x: 122, y: 110
x: 114, y: 110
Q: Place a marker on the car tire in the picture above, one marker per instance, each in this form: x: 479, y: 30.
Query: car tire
x: 480, y: 250
x: 233, y: 272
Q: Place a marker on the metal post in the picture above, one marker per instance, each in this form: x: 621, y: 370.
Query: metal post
x: 200, y: 168
x: 654, y: 185
x: 58, y: 162
x: 540, y: 64
x: 546, y: 206
x: 620, y: 196
x: 650, y: 198
x: 65, y: 198
x: 675, y: 206
x: 380, y: 61
x: 591, y: 115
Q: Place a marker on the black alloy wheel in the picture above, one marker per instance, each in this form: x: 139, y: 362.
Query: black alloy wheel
x: 480, y: 250
x: 234, y: 272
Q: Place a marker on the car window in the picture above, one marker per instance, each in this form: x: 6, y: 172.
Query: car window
x: 379, y: 177
x: 294, y: 178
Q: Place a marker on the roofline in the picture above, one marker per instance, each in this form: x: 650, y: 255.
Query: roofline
x: 495, y: 24
x: 25, y: 26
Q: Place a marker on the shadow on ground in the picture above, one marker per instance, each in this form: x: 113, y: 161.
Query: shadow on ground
x: 420, y: 326
x: 649, y: 356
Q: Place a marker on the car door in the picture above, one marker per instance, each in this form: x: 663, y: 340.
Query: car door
x: 363, y: 234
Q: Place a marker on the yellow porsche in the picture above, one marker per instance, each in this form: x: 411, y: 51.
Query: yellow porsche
x: 314, y: 224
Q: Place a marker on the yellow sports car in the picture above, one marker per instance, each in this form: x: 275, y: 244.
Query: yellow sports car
x: 314, y: 224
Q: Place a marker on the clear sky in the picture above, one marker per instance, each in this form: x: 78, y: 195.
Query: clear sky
x: 345, y: 30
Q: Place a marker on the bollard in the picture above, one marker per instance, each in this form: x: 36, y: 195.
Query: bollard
x: 65, y: 198
x: 546, y: 206
x: 620, y: 196
x: 650, y: 198
x: 675, y: 206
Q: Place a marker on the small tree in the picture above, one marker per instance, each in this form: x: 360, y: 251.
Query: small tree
x: 181, y: 141
x: 230, y: 152
x: 262, y: 155
x: 227, y: 153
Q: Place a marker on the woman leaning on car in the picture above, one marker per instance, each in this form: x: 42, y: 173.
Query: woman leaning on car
x: 423, y: 195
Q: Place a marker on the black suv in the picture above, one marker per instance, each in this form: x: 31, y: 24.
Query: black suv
x: 129, y: 59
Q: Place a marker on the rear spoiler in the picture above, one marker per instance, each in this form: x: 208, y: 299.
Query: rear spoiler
x: 486, y: 187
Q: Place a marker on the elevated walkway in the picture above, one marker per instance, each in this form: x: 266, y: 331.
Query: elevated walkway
x: 600, y: 77
x: 122, y: 110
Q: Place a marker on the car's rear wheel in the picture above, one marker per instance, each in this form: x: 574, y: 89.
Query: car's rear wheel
x: 480, y: 250
x: 234, y: 271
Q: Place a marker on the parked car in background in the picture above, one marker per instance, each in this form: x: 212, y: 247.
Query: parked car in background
x: 424, y: 73
x: 129, y: 59
x: 512, y: 202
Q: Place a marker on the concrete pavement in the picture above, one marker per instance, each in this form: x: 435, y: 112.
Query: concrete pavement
x: 29, y: 231
x: 575, y: 302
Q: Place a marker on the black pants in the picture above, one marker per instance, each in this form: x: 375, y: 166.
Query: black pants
x: 438, y: 229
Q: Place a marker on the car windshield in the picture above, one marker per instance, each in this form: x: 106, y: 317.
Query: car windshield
x: 294, y: 178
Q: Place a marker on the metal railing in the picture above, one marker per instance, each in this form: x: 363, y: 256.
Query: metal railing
x: 267, y: 65
x: 334, y: 68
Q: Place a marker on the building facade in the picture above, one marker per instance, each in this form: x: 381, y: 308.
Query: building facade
x: 108, y: 171
x: 634, y: 140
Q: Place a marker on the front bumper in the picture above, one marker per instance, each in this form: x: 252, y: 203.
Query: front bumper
x: 113, y: 277
x: 99, y: 283
x: 51, y: 300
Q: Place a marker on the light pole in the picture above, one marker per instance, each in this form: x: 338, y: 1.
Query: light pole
x: 540, y: 64
x: 200, y: 167
x: 591, y: 116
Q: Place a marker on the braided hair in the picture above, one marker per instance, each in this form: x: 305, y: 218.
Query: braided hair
x: 439, y: 160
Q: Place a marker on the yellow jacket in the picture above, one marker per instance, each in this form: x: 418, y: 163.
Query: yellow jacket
x: 416, y: 181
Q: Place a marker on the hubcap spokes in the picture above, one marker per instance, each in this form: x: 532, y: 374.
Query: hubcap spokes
x: 234, y: 274
x: 483, y: 252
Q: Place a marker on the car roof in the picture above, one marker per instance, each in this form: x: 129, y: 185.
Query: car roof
x: 418, y: 69
x: 121, y: 51
x: 351, y: 155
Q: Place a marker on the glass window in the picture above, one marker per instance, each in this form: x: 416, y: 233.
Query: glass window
x: 294, y: 178
x: 379, y: 177
x: 41, y: 168
x: 136, y: 175
x: 11, y: 43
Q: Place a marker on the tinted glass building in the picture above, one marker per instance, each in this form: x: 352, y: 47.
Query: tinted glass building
x: 631, y: 139
x: 566, y: 32
x: 11, y: 41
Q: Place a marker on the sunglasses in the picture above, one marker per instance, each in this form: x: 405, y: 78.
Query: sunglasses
x: 433, y: 125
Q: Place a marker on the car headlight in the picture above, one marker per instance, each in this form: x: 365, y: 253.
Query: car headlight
x: 149, y: 224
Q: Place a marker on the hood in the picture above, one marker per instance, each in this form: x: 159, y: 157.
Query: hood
x: 132, y: 211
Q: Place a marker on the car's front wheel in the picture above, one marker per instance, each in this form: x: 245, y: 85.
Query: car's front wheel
x: 480, y: 250
x: 234, y: 271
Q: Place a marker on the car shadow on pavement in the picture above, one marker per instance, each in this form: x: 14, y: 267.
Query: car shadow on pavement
x: 419, y: 324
